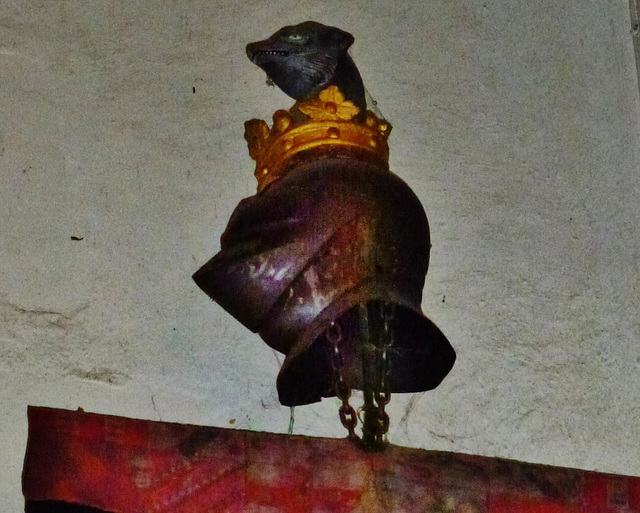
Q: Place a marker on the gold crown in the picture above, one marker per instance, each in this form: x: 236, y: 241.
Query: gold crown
x: 328, y: 129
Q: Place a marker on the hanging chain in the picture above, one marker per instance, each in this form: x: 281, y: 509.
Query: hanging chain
x: 376, y: 384
x: 382, y: 395
x: 348, y: 415
x: 376, y: 378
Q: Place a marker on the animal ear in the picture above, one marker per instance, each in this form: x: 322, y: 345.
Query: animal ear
x: 339, y: 38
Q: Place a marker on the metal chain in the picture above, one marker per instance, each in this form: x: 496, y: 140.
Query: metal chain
x: 382, y: 395
x: 378, y: 393
x: 376, y: 379
x: 348, y: 415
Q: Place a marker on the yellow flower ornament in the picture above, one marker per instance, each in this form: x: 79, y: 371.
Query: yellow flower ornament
x: 329, y: 105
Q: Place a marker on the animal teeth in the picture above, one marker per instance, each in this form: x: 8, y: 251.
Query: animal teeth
x: 273, y: 52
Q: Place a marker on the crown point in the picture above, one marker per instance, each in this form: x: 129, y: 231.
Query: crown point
x: 371, y: 119
x: 281, y: 120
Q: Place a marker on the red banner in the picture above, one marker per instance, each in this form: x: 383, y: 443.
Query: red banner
x: 124, y: 465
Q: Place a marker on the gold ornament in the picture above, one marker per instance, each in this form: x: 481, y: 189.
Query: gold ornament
x: 329, y: 105
x: 329, y: 130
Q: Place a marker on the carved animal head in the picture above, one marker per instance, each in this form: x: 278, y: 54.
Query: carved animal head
x: 301, y: 59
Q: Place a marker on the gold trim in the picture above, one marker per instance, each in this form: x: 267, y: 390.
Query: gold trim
x: 330, y: 127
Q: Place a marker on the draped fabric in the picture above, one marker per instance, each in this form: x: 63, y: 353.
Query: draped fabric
x: 77, y: 461
x: 331, y: 241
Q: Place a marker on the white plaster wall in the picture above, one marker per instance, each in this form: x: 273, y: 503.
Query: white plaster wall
x: 516, y: 122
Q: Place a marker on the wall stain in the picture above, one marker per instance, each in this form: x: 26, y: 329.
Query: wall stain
x: 36, y: 316
x: 101, y: 375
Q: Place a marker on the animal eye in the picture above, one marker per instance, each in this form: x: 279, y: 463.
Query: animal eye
x: 294, y: 37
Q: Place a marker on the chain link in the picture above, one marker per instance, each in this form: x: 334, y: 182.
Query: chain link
x: 376, y: 368
x: 378, y: 391
x: 348, y: 415
x: 382, y: 395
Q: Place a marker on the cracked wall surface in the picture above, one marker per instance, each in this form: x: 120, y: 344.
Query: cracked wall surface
x: 122, y: 157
